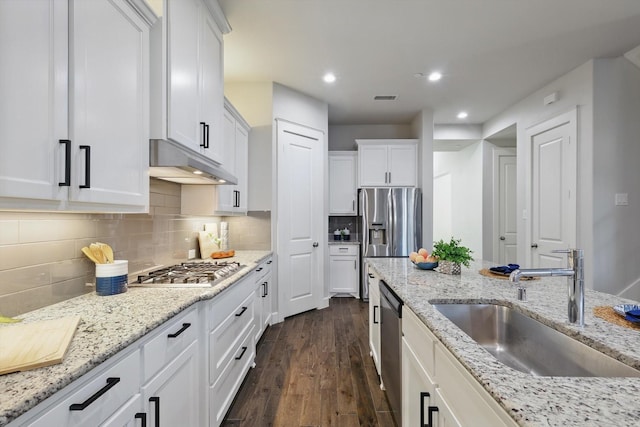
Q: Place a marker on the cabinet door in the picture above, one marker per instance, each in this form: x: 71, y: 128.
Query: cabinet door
x: 129, y: 415
x: 372, y: 166
x: 267, y: 302
x: 173, y: 396
x: 402, y: 164
x: 211, y: 92
x: 242, y: 168
x: 374, y: 320
x: 183, y: 96
x: 445, y: 417
x: 417, y: 389
x: 226, y: 193
x: 109, y: 108
x: 343, y: 274
x: 259, y: 309
x: 33, y: 105
x: 342, y: 185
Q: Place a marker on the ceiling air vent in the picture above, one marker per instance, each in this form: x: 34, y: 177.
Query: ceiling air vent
x: 384, y: 98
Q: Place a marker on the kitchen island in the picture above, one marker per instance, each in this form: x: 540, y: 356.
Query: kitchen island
x: 529, y: 400
x: 108, y: 325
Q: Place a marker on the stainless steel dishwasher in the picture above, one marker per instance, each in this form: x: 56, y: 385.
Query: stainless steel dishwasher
x: 390, y: 348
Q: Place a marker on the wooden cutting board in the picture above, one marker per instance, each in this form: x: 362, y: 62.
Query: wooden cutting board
x: 33, y: 345
x: 207, y: 244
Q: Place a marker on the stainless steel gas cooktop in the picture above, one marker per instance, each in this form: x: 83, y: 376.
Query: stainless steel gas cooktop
x: 188, y: 275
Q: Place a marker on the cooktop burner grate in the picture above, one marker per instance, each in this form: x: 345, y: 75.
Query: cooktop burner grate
x: 203, y: 273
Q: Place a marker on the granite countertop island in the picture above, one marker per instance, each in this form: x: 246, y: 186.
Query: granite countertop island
x: 108, y: 325
x: 530, y: 400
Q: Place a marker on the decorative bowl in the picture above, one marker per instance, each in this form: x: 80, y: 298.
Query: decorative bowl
x: 426, y: 265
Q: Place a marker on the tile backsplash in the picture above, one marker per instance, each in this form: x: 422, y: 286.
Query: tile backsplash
x: 41, y: 262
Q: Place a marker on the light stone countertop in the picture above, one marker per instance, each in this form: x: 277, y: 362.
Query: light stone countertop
x: 530, y: 400
x: 108, y: 324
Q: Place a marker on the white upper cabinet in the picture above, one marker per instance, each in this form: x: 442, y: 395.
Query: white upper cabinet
x: 75, y: 105
x: 189, y: 46
x: 387, y: 162
x: 224, y: 199
x: 343, y: 186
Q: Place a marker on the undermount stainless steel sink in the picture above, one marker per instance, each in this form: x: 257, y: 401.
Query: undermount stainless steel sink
x: 529, y: 346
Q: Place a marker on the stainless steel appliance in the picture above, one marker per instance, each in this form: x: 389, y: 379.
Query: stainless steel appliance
x: 391, y: 224
x: 390, y: 348
x: 188, y: 275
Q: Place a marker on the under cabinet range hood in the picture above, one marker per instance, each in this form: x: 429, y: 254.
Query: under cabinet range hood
x: 173, y: 162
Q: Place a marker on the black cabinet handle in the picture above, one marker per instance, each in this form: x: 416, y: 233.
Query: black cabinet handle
x: 143, y: 418
x: 185, y: 326
x: 206, y: 134
x: 431, y: 410
x: 237, y: 204
x: 266, y: 285
x: 375, y: 322
x: 241, y: 312
x: 87, y: 166
x: 81, y: 406
x: 244, y: 349
x: 423, y: 394
x: 67, y: 163
x: 371, y: 276
x: 204, y: 131
x: 265, y: 290
x: 258, y: 269
x: 269, y: 262
x: 156, y: 400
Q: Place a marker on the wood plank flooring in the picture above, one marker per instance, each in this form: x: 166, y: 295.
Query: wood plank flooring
x: 314, y: 369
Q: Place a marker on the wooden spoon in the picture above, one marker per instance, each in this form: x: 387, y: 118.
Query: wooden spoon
x: 107, y: 251
x: 97, y: 253
x: 89, y: 255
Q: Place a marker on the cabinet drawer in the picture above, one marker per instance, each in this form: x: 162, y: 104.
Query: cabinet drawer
x: 465, y: 398
x: 226, y: 303
x: 174, y: 336
x: 224, y: 390
x: 123, y: 384
x: 420, y: 339
x: 263, y: 269
x: 223, y: 341
x: 343, y: 249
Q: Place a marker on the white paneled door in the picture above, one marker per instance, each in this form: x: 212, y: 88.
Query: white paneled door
x: 505, y: 241
x: 300, y: 217
x: 553, y: 208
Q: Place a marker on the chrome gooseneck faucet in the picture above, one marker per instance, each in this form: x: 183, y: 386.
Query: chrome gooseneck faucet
x: 575, y: 274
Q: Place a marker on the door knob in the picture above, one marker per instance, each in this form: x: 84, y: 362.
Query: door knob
x: 503, y: 238
x: 534, y: 245
x: 315, y: 244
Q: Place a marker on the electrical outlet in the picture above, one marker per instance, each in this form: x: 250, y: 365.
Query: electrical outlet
x: 192, y: 254
x: 622, y: 199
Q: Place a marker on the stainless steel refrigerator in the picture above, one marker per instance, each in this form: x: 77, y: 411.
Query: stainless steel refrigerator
x: 391, y: 224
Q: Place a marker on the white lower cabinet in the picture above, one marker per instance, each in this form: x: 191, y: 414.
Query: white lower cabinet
x: 95, y: 397
x: 344, y: 270
x: 374, y: 317
x: 129, y: 415
x: 231, y: 341
x: 263, y: 297
x: 436, y: 389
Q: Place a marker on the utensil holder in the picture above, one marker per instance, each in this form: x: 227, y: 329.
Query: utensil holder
x: 111, y: 279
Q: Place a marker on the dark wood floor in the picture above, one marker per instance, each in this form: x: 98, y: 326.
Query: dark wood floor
x: 314, y: 369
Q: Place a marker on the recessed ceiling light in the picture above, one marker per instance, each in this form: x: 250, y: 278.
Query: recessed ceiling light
x: 435, y: 76
x: 197, y: 172
x: 329, y: 78
x: 463, y: 115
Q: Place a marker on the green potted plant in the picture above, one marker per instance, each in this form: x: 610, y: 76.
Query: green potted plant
x: 451, y: 256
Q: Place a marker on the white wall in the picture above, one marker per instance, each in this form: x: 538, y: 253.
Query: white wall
x: 457, y: 195
x: 422, y: 127
x: 575, y: 89
x: 342, y: 137
x: 616, y: 151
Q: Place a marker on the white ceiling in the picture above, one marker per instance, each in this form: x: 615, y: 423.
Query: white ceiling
x: 492, y: 52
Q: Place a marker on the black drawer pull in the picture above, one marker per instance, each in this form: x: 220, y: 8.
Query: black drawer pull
x: 371, y: 275
x: 67, y: 163
x: 204, y: 131
x: 156, y: 400
x: 241, y: 312
x: 87, y: 166
x: 269, y: 262
x: 431, y: 410
x: 244, y: 349
x: 143, y: 418
x: 185, y: 326
x: 81, y: 406
x: 375, y: 322
x: 423, y: 394
x: 258, y: 269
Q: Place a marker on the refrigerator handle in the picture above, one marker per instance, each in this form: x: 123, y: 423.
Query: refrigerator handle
x: 391, y: 223
x: 362, y: 205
